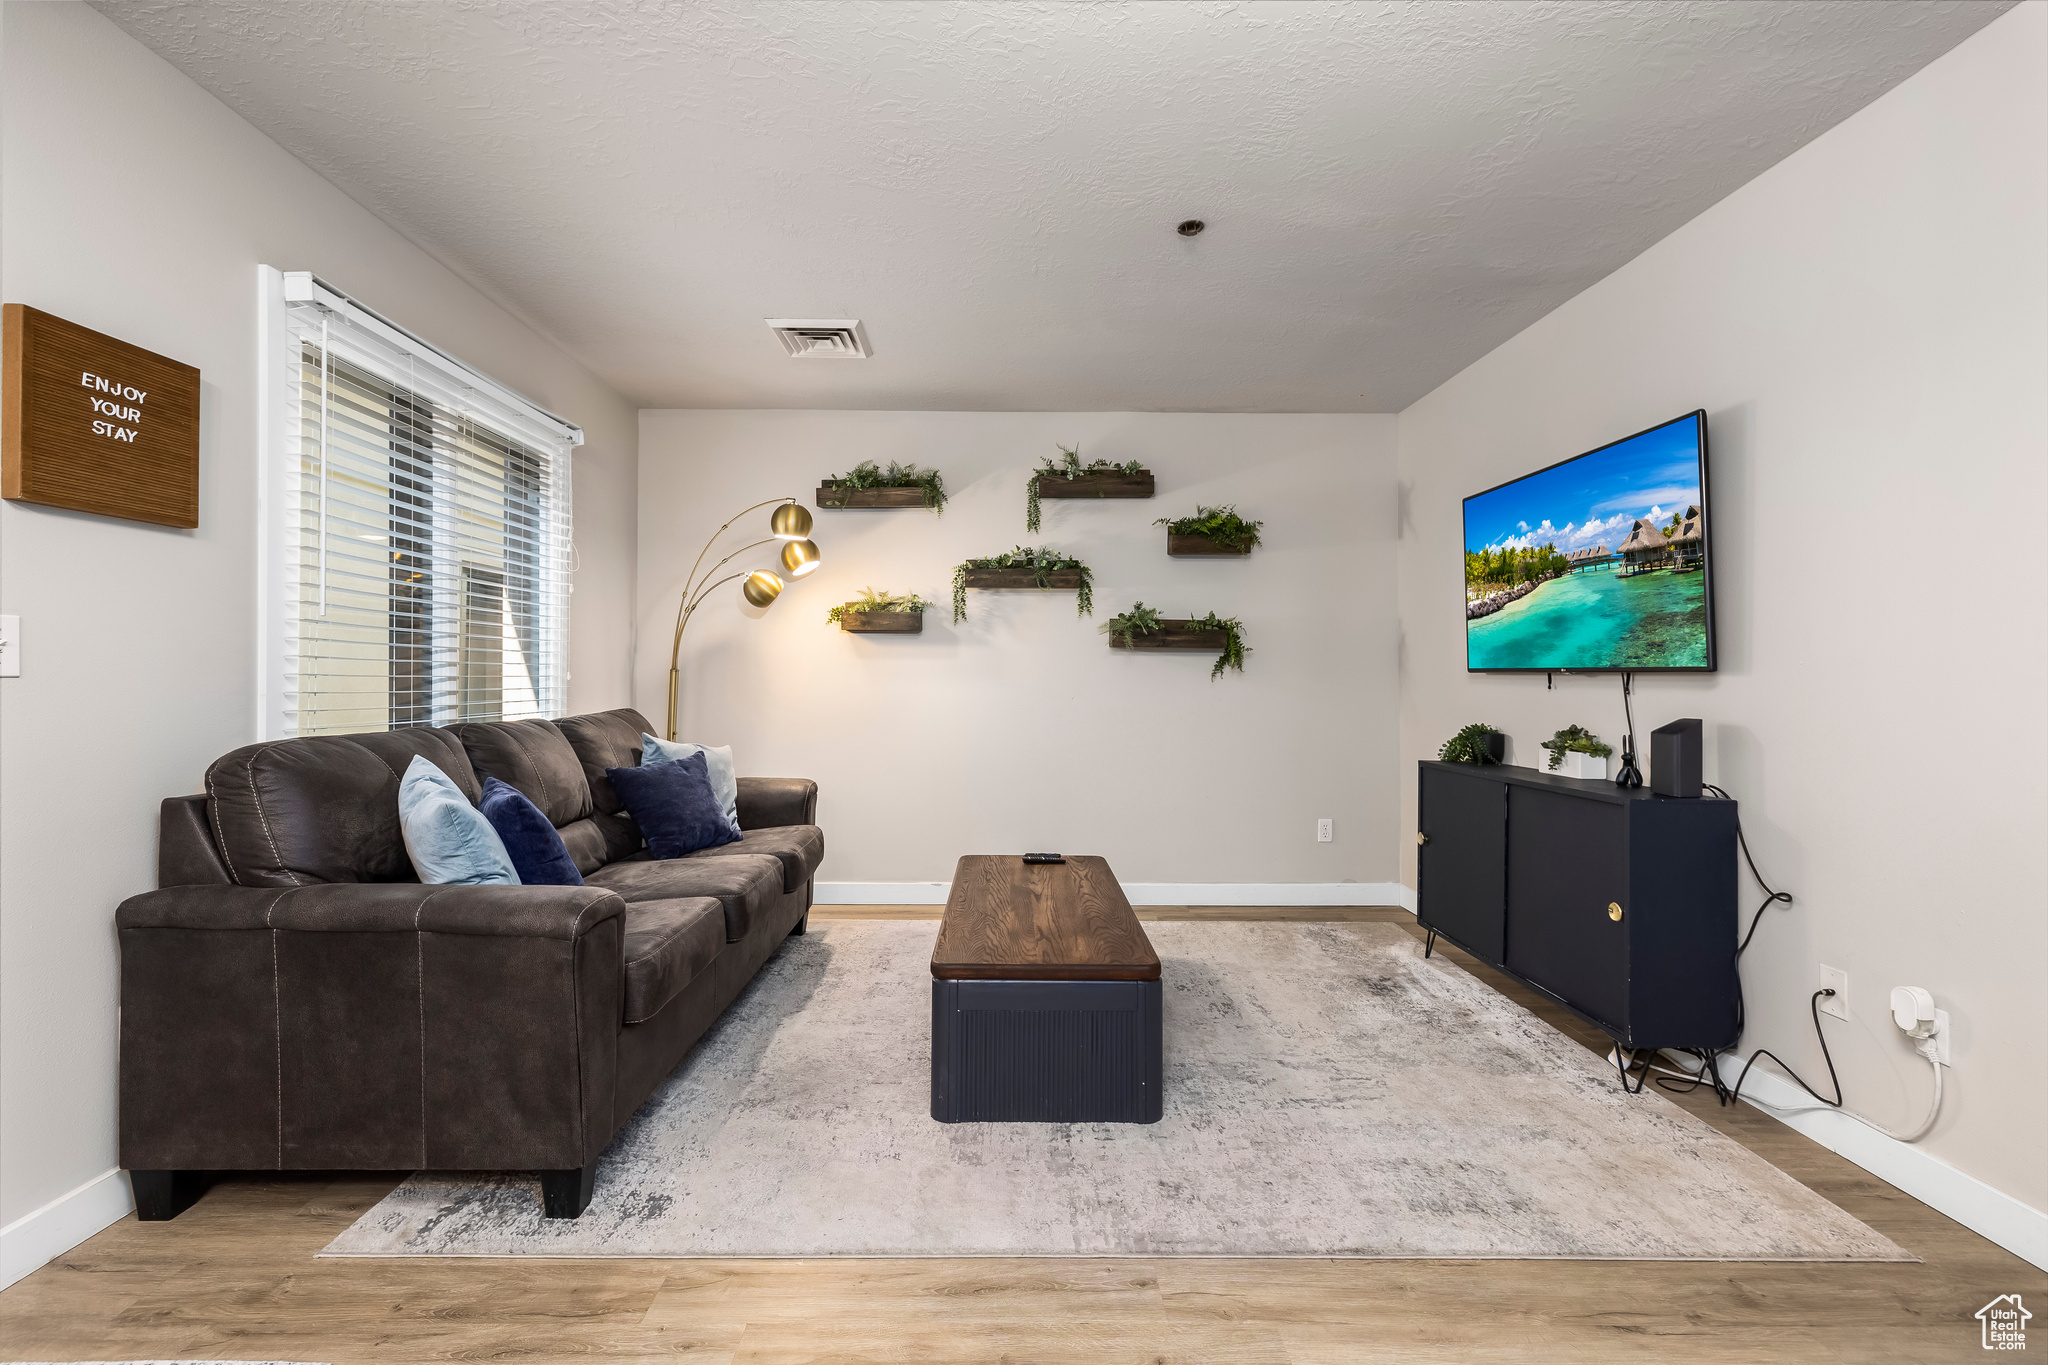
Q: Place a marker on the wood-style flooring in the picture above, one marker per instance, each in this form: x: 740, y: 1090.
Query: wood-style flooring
x: 236, y: 1277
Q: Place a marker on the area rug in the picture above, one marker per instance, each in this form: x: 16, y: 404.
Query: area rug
x: 1329, y: 1092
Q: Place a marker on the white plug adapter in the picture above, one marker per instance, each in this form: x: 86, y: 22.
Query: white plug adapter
x: 1913, y: 1010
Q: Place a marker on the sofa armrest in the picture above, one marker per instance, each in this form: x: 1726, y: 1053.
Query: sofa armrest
x: 766, y: 802
x: 548, y: 912
x: 385, y: 1026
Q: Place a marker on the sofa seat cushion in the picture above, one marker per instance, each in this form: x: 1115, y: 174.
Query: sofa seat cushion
x: 743, y: 887
x: 667, y: 943
x: 799, y: 848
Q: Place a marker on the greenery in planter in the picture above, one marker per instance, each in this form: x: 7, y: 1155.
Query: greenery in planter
x: 1139, y: 620
x: 867, y: 474
x: 870, y: 600
x: 1467, y: 746
x: 1575, y: 739
x: 1144, y: 620
x: 1067, y: 466
x: 1041, y: 560
x: 1222, y: 525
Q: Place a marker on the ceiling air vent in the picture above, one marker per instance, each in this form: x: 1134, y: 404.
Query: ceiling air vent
x: 828, y: 339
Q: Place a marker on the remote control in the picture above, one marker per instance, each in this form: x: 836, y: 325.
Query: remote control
x: 1043, y: 858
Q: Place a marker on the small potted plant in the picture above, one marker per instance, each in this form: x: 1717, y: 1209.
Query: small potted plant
x: 1210, y: 531
x: 1142, y: 627
x: 1067, y: 477
x: 1579, y: 752
x: 869, y: 485
x: 1474, y: 744
x: 1027, y: 566
x: 880, y: 613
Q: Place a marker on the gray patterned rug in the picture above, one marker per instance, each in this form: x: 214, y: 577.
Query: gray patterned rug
x: 1329, y: 1092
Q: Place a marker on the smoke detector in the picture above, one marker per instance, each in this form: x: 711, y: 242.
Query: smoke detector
x: 826, y: 339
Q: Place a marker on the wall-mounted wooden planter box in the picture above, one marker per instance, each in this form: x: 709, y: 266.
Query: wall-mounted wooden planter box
x: 1138, y: 485
x: 882, y: 622
x: 1188, y: 546
x: 1070, y: 579
x: 1174, y: 635
x: 834, y: 498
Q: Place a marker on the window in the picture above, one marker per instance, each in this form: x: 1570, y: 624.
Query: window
x: 422, y: 530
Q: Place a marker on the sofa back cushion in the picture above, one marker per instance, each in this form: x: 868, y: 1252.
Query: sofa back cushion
x: 533, y: 756
x: 608, y: 739
x: 324, y: 808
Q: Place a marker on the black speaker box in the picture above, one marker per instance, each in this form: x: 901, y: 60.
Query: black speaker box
x: 1675, y: 758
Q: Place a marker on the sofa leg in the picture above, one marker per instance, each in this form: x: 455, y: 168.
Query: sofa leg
x: 162, y: 1195
x: 803, y: 926
x: 565, y: 1194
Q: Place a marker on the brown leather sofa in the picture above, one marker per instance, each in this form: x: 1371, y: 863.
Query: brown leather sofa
x: 292, y: 998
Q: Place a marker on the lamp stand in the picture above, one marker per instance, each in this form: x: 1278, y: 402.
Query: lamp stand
x: 694, y: 594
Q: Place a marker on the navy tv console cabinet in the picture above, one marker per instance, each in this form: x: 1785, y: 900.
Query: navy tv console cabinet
x: 1618, y: 904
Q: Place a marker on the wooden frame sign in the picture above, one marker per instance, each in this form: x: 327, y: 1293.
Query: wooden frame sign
x: 94, y: 424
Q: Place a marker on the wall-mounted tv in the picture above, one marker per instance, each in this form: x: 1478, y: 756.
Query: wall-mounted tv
x: 1600, y: 562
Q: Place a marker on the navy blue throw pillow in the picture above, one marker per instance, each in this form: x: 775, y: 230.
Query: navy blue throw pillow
x: 674, y: 806
x: 537, y: 852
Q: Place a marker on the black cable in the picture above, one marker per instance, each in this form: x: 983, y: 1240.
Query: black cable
x: 1833, y: 1079
x: 1770, y: 895
x: 1628, y: 776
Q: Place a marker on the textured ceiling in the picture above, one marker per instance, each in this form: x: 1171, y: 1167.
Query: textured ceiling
x: 1391, y: 189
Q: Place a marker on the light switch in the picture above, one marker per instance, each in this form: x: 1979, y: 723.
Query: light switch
x: 10, y: 646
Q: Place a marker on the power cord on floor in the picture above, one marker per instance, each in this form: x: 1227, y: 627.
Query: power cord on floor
x: 1708, y: 1060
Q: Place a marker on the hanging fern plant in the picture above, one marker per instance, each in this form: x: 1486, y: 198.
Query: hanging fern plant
x: 870, y: 600
x: 1067, y: 466
x: 868, y: 474
x: 1221, y: 526
x: 1124, y: 627
x: 1042, y: 561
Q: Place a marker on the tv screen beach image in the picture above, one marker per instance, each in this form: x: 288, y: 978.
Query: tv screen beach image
x: 1596, y: 563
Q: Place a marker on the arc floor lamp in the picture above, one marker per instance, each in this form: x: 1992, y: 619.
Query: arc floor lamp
x: 789, y: 523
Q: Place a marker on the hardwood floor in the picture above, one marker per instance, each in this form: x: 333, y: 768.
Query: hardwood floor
x: 237, y: 1277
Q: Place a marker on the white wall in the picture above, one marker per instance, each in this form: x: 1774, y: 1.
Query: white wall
x: 1021, y: 728
x: 1866, y: 325
x: 135, y: 203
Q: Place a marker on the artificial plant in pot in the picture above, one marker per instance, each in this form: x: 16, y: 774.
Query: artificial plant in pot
x: 1579, y: 752
x: 880, y: 613
x: 869, y: 485
x: 1142, y: 627
x: 1210, y: 531
x: 1474, y: 744
x: 1066, y: 477
x: 1027, y: 566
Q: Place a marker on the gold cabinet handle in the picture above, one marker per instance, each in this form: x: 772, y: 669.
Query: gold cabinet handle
x: 1614, y: 911
x: 1420, y: 837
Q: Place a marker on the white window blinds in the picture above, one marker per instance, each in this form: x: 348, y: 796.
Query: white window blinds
x: 425, y: 533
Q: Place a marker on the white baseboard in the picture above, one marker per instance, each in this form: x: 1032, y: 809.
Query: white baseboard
x: 33, y: 1240
x: 1993, y: 1214
x: 1146, y: 893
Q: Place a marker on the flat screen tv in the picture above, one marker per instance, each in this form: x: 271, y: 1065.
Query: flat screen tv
x: 1602, y: 562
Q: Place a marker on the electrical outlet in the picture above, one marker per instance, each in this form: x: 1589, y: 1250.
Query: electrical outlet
x: 10, y: 646
x: 1325, y: 831
x: 1838, y: 982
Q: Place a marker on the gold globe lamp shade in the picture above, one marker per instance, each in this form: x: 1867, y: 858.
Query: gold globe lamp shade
x: 801, y: 557
x: 761, y: 587
x: 790, y: 522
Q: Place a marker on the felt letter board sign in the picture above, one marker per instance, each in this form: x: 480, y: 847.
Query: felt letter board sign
x: 94, y: 424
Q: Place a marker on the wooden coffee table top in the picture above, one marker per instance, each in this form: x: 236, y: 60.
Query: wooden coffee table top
x: 1009, y: 921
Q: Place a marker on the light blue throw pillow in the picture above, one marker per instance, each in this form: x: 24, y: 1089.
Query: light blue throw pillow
x: 717, y: 767
x: 449, y: 841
